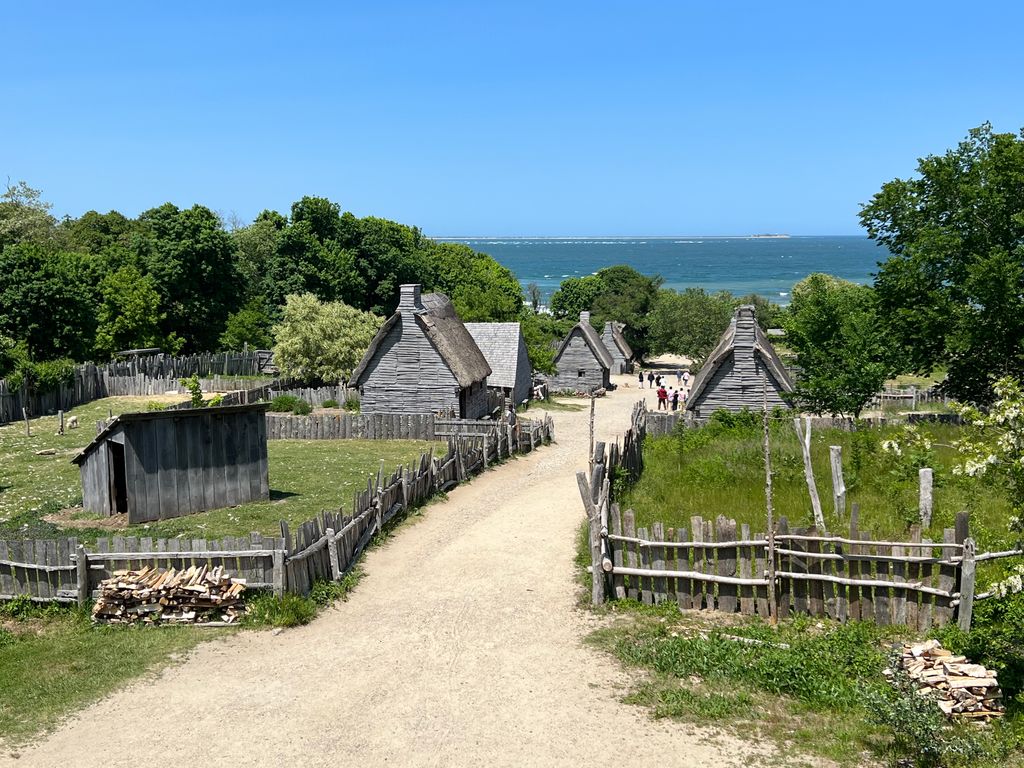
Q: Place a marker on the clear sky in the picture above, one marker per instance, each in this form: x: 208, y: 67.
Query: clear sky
x: 547, y: 118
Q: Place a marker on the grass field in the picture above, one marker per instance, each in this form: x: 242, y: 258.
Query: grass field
x: 305, y: 477
x: 53, y: 661
x: 712, y: 472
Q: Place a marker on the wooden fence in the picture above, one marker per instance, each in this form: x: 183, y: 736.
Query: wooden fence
x: 722, y: 566
x: 326, y: 547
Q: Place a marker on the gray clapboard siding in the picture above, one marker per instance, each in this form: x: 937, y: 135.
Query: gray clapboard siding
x: 504, y: 347
x: 733, y: 375
x: 617, y: 346
x: 578, y: 367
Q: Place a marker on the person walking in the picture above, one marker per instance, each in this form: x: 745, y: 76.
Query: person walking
x: 641, y: 377
x: 686, y: 378
x: 675, y: 399
x: 657, y: 381
x: 679, y: 377
x: 662, y: 399
x: 650, y: 379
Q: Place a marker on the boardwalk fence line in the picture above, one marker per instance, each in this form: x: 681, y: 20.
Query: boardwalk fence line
x: 324, y: 548
x: 717, y: 565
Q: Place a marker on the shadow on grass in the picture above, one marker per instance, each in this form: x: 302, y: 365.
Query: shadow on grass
x: 279, y: 495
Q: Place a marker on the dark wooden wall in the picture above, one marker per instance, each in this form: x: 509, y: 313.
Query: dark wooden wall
x: 206, y: 461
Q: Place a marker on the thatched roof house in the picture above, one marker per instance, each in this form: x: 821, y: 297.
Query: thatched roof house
x: 163, y: 464
x: 504, y: 348
x: 617, y: 346
x: 582, y: 362
x: 423, y: 360
x: 733, y: 373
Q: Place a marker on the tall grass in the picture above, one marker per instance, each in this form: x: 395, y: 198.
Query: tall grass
x: 720, y: 471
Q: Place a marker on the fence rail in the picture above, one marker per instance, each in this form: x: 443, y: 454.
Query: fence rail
x: 326, y: 547
x: 719, y: 565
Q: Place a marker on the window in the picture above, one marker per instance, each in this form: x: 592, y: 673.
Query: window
x: 581, y: 373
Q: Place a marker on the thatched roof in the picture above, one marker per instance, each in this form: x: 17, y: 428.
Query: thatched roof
x: 592, y: 340
x: 446, y: 332
x: 725, y: 347
x: 500, y: 344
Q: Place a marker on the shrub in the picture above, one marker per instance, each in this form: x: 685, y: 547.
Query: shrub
x: 19, y: 607
x: 195, y: 391
x: 330, y: 404
x: 153, y: 405
x: 283, y: 403
x: 302, y: 408
x: 215, y: 401
x: 352, y: 404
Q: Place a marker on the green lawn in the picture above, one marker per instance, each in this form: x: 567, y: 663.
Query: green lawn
x: 723, y: 474
x: 306, y: 476
x: 54, y: 661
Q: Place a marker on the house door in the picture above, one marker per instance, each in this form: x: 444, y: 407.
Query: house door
x: 463, y: 401
x: 118, y: 479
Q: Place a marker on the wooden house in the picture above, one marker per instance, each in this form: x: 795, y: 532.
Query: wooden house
x: 618, y: 347
x: 164, y: 464
x: 582, y: 362
x: 504, y: 348
x: 732, y: 375
x: 423, y: 360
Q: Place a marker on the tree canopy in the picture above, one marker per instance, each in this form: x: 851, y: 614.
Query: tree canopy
x: 842, y: 351
x: 952, y: 290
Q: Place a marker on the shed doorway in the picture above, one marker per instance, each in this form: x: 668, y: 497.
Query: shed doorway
x: 118, y: 479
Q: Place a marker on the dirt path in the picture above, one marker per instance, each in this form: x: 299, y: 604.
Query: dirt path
x: 461, y: 647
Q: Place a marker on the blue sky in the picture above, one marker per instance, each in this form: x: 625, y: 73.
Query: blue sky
x: 513, y: 119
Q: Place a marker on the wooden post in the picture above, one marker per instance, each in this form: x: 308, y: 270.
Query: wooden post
x: 279, y: 578
x: 594, y: 520
x: 591, y: 429
x: 804, y: 436
x: 486, y: 449
x: 60, y: 419
x: 82, y: 568
x: 966, y: 607
x: 332, y: 552
x: 925, y: 497
x: 773, y: 609
x: 835, y: 454
x: 28, y: 428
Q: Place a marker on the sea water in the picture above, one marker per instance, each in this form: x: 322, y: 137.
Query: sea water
x: 768, y: 266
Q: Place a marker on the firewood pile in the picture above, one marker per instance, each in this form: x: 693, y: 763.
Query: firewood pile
x: 960, y: 689
x: 196, y: 595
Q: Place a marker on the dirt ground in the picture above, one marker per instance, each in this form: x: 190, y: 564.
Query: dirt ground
x: 462, y: 646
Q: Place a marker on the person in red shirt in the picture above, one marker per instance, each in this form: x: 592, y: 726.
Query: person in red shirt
x: 662, y: 398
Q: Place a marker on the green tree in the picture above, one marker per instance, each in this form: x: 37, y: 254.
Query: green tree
x: 543, y: 334
x: 688, y: 322
x: 533, y: 294
x: 627, y: 297
x: 481, y: 290
x: 191, y: 258
x: 251, y: 325
x: 321, y: 340
x: 575, y: 295
x: 842, y: 350
x: 25, y: 217
x: 953, y: 289
x: 129, y: 312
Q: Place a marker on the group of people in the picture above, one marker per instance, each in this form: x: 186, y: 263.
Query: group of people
x: 669, y: 398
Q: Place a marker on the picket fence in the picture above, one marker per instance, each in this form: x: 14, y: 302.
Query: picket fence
x: 326, y: 547
x: 720, y: 566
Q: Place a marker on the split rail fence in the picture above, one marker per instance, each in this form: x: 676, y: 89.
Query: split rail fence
x: 719, y: 565
x: 326, y: 547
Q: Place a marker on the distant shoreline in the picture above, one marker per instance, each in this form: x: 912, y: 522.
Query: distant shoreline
x: 630, y: 237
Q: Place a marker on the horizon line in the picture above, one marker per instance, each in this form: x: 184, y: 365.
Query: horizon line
x: 758, y: 236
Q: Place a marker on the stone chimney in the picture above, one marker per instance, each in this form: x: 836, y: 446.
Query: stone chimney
x: 584, y: 317
x: 608, y: 327
x: 409, y: 298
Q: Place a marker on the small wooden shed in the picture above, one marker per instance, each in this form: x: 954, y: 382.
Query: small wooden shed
x: 163, y: 464
x: 423, y: 360
x: 618, y: 347
x: 732, y: 376
x: 582, y: 362
x: 504, y: 348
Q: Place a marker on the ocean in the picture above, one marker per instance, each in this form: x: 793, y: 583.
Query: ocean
x: 742, y: 265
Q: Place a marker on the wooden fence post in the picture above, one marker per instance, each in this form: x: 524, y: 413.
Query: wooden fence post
x: 773, y: 608
x: 966, y: 607
x: 804, y: 436
x: 332, y: 552
x: 835, y: 453
x: 28, y: 428
x: 594, y: 520
x: 279, y: 577
x: 925, y: 497
x: 60, y: 419
x: 82, y: 569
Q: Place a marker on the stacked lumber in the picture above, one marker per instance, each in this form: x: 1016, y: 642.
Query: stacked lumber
x: 960, y: 689
x: 196, y: 595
